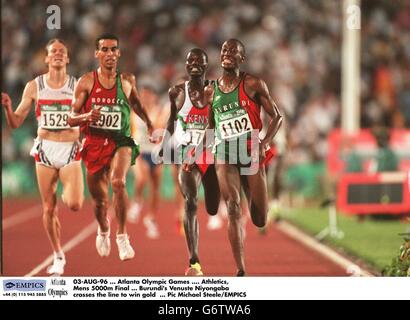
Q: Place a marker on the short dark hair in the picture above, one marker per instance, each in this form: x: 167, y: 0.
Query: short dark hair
x: 105, y: 36
x: 51, y: 41
x: 199, y: 51
x: 241, y: 45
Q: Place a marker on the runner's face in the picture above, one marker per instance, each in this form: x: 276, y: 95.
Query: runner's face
x: 57, y: 55
x: 231, y: 55
x: 196, y: 64
x: 108, y: 53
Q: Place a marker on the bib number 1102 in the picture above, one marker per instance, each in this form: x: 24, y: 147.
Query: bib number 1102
x: 235, y: 127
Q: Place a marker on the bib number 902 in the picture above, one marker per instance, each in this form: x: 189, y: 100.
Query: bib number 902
x: 108, y: 121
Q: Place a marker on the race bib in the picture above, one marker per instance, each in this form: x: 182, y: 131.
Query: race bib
x: 54, y: 117
x: 234, y: 127
x: 110, y: 118
x: 194, y: 137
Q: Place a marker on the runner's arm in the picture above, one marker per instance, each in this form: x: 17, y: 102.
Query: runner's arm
x: 81, y: 93
x: 136, y: 103
x: 16, y: 118
x: 208, y: 97
x: 270, y: 107
x: 176, y: 98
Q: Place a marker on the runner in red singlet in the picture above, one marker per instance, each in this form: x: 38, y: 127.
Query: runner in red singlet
x: 101, y: 105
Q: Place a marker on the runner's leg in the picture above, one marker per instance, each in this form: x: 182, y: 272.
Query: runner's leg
x: 155, y: 175
x: 258, y: 196
x: 178, y: 198
x: 141, y: 171
x: 98, y: 187
x: 119, y: 167
x: 230, y: 186
x: 71, y: 177
x: 47, y: 182
x: 211, y: 190
x: 189, y: 183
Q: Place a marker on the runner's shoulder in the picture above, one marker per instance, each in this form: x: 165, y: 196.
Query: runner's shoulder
x: 251, y: 79
x: 87, y: 78
x: 255, y: 83
x: 176, y: 90
x: 30, y: 89
x: 32, y: 84
x: 85, y: 82
x: 129, y: 77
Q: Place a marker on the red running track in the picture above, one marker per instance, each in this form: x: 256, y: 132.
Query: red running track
x: 25, y: 246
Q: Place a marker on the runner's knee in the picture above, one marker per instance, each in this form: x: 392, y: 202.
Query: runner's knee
x: 259, y: 217
x: 101, y: 205
x: 259, y: 221
x: 74, y: 205
x: 234, y: 208
x: 212, y: 207
x: 211, y: 204
x: 191, y: 204
x: 49, y: 210
x: 118, y: 185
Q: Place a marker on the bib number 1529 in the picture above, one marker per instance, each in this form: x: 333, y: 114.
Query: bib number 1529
x: 54, y: 120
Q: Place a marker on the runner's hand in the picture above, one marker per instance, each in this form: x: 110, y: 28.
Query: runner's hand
x: 155, y: 140
x: 187, y: 167
x: 189, y: 162
x: 151, y: 137
x: 5, y: 100
x: 94, y: 115
x: 262, y: 151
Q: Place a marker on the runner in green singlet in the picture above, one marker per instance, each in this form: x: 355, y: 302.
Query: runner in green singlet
x: 237, y: 99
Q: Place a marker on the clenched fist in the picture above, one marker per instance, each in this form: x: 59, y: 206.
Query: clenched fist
x: 94, y: 115
x: 5, y: 100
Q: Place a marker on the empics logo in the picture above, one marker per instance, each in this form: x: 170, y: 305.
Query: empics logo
x: 9, y: 285
x: 24, y: 285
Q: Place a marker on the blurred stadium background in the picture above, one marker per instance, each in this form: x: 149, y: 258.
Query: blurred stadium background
x: 294, y: 45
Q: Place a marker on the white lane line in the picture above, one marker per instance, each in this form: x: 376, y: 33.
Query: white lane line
x: 22, y: 216
x: 73, y: 242
x: 350, y: 267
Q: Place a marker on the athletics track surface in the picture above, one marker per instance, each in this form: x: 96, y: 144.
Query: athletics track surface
x: 25, y: 247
